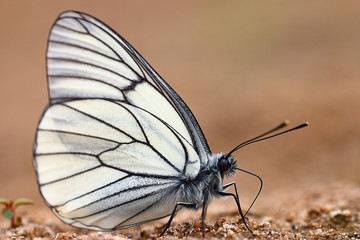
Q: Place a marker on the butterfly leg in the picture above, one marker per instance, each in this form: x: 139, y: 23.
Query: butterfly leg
x: 203, y: 214
x: 226, y: 186
x: 181, y: 204
x: 236, y: 198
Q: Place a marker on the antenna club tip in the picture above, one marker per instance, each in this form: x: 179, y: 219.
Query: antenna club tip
x: 305, y: 124
x: 286, y: 122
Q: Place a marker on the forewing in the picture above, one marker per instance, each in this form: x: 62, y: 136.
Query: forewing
x: 87, y: 59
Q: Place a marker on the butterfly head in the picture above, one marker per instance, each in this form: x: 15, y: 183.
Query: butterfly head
x: 226, y: 165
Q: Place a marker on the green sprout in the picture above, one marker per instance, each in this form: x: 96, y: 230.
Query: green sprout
x: 10, y: 207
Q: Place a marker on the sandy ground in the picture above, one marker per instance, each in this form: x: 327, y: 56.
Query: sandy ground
x: 242, y: 67
x: 322, y: 212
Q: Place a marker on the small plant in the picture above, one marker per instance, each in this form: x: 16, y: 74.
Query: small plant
x: 10, y: 207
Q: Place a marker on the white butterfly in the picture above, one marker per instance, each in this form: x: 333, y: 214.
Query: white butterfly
x: 117, y: 146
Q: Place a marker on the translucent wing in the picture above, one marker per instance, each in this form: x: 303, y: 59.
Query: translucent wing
x: 116, y: 140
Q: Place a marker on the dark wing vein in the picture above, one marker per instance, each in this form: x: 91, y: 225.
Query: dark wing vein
x: 121, y: 204
x: 99, y: 120
x: 176, y: 134
x: 114, y: 194
x: 89, y: 64
x: 136, y: 214
x: 137, y: 120
x: 77, y: 134
x: 105, y: 31
x: 100, y: 40
x: 92, y: 191
x: 70, y: 176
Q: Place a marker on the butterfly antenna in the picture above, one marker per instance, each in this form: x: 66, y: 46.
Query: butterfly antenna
x: 261, y: 137
x: 280, y: 126
x: 258, y: 139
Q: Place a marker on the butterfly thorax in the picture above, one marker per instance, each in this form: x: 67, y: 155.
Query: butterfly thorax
x: 208, y: 182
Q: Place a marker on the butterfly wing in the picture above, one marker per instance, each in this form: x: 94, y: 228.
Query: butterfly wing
x: 115, y: 140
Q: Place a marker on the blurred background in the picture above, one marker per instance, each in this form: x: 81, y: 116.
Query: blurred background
x: 241, y: 66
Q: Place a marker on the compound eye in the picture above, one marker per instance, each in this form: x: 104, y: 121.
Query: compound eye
x: 223, y: 165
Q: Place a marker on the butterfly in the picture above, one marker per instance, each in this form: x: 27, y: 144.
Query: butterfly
x: 116, y: 146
